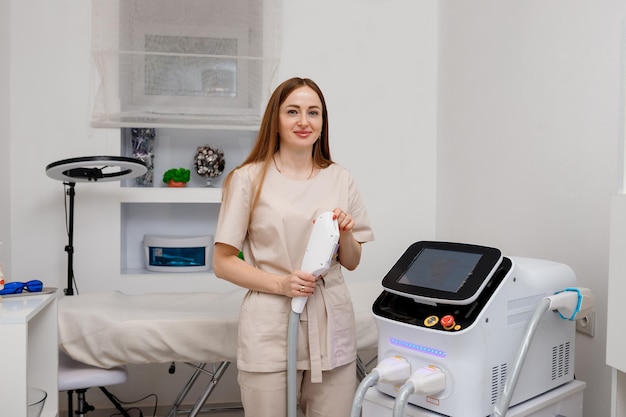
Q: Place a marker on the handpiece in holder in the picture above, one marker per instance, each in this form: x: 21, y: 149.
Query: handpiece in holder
x: 319, y: 251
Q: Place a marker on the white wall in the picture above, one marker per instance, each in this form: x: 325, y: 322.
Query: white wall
x: 5, y: 155
x: 528, y: 142
x: 376, y: 62
x: 50, y: 107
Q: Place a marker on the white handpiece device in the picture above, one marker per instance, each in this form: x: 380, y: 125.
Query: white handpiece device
x: 319, y: 251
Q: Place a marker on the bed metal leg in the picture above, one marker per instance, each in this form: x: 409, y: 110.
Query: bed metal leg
x: 185, y: 390
x: 363, y: 368
x: 214, y: 378
x: 361, y: 371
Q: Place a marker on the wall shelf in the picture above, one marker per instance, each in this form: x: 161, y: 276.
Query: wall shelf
x: 161, y: 210
x: 171, y: 195
x: 176, y: 148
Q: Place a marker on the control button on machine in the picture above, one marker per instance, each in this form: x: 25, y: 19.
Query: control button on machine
x: 448, y: 322
x: 430, y: 321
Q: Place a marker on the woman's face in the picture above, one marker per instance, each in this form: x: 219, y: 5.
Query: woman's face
x: 300, y: 118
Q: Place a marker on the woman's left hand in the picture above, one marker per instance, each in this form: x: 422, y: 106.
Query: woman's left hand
x: 344, y: 220
x: 349, y: 253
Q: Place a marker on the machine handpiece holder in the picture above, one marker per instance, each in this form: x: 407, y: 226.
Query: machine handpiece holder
x: 319, y: 251
x: 572, y: 303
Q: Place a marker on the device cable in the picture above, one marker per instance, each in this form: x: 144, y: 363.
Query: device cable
x: 502, y: 405
x: 292, y: 342
x: 357, y: 403
x: 427, y: 380
x: 401, y: 399
x: 570, y: 303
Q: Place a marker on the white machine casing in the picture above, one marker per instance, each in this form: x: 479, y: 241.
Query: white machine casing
x: 476, y: 359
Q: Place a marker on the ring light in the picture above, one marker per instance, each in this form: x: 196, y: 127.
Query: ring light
x: 96, y: 168
x: 87, y: 169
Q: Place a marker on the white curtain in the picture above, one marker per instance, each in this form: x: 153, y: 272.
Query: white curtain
x: 183, y: 62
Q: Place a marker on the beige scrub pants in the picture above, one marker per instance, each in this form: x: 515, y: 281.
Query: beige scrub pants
x: 264, y: 394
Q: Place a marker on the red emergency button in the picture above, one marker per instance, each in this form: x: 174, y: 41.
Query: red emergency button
x: 448, y: 322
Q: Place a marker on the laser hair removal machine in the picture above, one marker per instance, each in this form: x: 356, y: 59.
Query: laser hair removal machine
x: 453, y: 316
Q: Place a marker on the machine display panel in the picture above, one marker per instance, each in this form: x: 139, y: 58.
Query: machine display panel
x: 442, y: 272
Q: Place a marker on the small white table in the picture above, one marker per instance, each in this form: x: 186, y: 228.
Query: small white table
x: 29, y: 352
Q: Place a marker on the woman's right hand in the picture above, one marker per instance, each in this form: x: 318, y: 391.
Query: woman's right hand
x: 299, y: 284
x: 227, y: 265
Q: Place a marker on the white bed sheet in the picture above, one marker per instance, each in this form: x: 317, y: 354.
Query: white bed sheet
x: 111, y: 329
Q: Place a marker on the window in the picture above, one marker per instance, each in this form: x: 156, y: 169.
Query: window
x: 183, y: 62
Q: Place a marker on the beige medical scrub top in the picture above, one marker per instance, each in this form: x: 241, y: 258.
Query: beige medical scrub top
x: 275, y: 241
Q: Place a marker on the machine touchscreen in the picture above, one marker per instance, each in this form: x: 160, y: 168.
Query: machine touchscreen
x: 441, y: 272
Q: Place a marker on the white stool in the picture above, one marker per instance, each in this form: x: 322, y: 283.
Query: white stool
x: 77, y: 376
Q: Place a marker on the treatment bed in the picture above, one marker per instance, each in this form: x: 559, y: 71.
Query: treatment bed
x: 113, y: 328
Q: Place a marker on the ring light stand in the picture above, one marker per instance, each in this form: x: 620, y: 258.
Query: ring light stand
x: 87, y: 169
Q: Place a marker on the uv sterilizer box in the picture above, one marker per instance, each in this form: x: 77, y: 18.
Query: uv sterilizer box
x: 178, y: 253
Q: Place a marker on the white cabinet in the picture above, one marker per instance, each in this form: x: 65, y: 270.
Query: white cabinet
x: 28, y: 352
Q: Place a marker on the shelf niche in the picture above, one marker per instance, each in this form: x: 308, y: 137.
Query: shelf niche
x: 177, y: 148
x: 160, y: 210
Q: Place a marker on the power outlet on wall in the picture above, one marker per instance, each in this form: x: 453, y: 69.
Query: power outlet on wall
x: 587, y: 324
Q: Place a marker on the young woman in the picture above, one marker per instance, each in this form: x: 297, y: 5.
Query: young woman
x: 268, y: 207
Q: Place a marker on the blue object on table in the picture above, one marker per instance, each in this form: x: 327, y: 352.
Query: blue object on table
x: 34, y: 285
